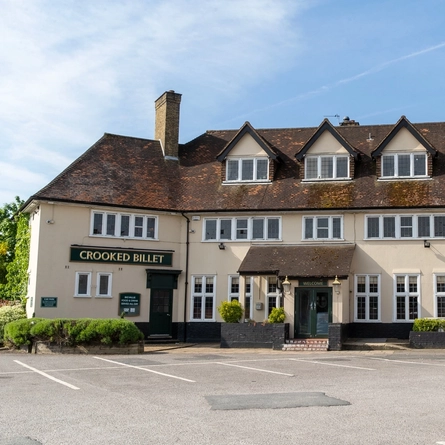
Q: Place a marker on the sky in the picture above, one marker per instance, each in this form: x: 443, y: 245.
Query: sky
x: 72, y: 70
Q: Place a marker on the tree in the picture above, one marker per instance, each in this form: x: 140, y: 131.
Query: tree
x: 14, y: 251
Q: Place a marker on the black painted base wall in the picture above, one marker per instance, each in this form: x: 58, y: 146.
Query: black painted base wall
x: 249, y: 335
x: 199, y: 332
x: 428, y: 340
x: 379, y: 330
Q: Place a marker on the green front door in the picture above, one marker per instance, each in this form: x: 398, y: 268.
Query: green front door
x: 313, y: 311
x: 161, y: 312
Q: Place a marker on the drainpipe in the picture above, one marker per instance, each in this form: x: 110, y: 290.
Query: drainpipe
x: 187, y: 249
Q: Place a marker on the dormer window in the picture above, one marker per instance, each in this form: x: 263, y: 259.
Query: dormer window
x: 327, y: 167
x: 404, y: 165
x: 247, y: 169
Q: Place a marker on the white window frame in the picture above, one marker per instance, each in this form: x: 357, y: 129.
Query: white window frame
x: 319, y: 168
x: 438, y: 294
x: 109, y: 284
x: 76, y: 288
x: 248, y: 295
x: 407, y: 294
x: 203, y: 295
x: 411, y: 165
x: 118, y: 224
x: 315, y: 220
x: 271, y: 294
x: 367, y: 294
x: 233, y: 295
x: 240, y: 161
x: 414, y: 225
x: 234, y: 231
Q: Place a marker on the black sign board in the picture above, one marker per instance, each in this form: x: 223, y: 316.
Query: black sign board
x: 130, y: 304
x: 48, y: 302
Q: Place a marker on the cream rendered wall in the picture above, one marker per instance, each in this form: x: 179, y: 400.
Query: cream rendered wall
x: 404, y: 141
x: 34, y: 223
x: 327, y: 144
x: 56, y: 273
x: 247, y: 146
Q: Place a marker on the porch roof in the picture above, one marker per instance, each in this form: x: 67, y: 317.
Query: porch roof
x: 298, y: 261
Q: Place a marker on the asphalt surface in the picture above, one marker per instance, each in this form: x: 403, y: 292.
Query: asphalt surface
x: 206, y: 395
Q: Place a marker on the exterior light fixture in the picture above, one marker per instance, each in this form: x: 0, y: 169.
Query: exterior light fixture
x: 221, y: 246
x: 426, y: 243
x: 336, y: 283
x: 286, y: 285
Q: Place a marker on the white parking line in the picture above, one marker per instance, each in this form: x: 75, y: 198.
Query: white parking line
x: 145, y: 369
x: 254, y: 369
x: 406, y: 361
x: 47, y: 375
x: 331, y: 364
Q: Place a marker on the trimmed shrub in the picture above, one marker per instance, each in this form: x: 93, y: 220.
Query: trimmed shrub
x: 231, y: 311
x: 8, y: 314
x: 277, y: 315
x: 428, y: 324
x: 18, y: 333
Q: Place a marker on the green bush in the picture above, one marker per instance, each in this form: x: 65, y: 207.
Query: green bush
x: 18, y: 333
x: 231, y: 311
x: 428, y: 324
x: 73, y: 332
x: 277, y: 315
x: 8, y: 314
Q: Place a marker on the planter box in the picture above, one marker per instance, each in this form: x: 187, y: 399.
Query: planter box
x: 427, y: 340
x: 42, y: 347
x: 254, y: 335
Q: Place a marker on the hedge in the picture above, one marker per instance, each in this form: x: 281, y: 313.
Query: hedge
x: 428, y: 324
x: 10, y: 313
x: 72, y: 332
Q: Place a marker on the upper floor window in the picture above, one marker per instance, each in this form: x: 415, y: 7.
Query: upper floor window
x: 247, y: 169
x: 404, y: 165
x: 405, y: 226
x: 239, y: 229
x: 110, y: 224
x: 322, y: 227
x: 327, y: 167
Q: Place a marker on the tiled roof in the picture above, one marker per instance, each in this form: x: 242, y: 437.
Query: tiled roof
x: 132, y: 172
x: 298, y: 261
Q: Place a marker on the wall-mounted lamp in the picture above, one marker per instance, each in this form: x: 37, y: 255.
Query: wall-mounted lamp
x: 221, y: 246
x: 49, y: 221
x: 337, y: 285
x: 286, y: 285
x: 426, y: 243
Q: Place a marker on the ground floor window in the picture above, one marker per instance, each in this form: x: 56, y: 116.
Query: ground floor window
x: 248, y: 305
x: 367, y: 297
x: 85, y: 288
x: 407, y: 296
x: 103, y: 286
x: 439, y: 294
x: 272, y: 297
x: 233, y: 287
x: 203, y: 297
x: 83, y: 284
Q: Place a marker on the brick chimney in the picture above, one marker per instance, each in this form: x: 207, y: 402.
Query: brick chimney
x: 167, y: 122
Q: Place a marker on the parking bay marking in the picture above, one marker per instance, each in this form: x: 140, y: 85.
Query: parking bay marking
x: 331, y: 364
x: 254, y: 369
x: 145, y: 369
x: 44, y: 374
x: 407, y: 362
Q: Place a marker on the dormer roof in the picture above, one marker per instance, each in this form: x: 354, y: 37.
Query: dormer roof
x: 247, y: 129
x: 403, y: 123
x: 326, y: 126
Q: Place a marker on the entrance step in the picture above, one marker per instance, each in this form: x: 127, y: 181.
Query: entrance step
x: 159, y: 340
x: 306, y: 344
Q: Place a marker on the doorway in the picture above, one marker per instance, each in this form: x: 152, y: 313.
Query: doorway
x: 161, y: 312
x: 313, y: 311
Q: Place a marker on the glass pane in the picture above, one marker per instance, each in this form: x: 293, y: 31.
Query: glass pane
x: 311, y: 168
x: 209, y: 285
x: 262, y: 169
x: 406, y: 226
x: 439, y: 226
x: 125, y: 225
x: 97, y: 224
x: 388, y: 165
x: 361, y: 284
x: 111, y: 225
x: 234, y: 287
x: 336, y: 228
x: 389, y: 227
x: 225, y: 229
x: 198, y: 285
x: 419, y: 165
x: 150, y: 227
x: 208, y: 308
x: 272, y: 301
x: 400, y: 308
x: 210, y: 229
x: 103, y: 284
x: 272, y: 284
x: 361, y: 308
x: 308, y: 228
x: 273, y: 228
x: 322, y: 227
x: 413, y: 308
x: 247, y: 307
x: 322, y: 307
x: 197, y: 307
x: 138, y: 226
x: 440, y: 283
x: 404, y: 162
x: 304, y: 305
x: 373, y: 284
x: 82, y: 287
x: 373, y: 227
x: 232, y: 170
x: 423, y: 223
x: 241, y: 229
x: 400, y: 284
x: 247, y: 169
x: 441, y: 306
x: 413, y: 284
x: 373, y: 308
x: 327, y: 167
x: 342, y: 167
x: 247, y: 288
x: 258, y: 228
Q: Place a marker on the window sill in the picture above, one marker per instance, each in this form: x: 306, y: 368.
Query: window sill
x: 367, y: 321
x: 125, y: 238
x: 82, y: 296
x: 315, y: 180
x: 405, y: 178
x: 103, y: 296
x: 263, y: 181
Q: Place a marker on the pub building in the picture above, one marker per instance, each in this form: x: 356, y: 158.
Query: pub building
x: 342, y: 225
